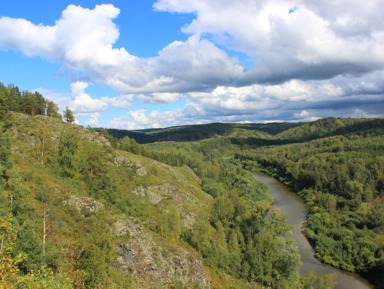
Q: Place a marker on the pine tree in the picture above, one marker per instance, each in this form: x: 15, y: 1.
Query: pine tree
x: 67, y: 158
x: 40, y: 103
x: 5, y: 150
x: 53, y: 110
x: 68, y: 115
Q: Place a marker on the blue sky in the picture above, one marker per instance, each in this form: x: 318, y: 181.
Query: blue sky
x: 141, y: 64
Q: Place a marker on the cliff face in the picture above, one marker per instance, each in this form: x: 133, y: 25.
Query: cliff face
x: 155, y: 266
x: 134, y: 194
x: 145, y: 258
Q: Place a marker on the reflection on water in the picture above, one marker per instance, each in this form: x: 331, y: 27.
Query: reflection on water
x: 295, y: 209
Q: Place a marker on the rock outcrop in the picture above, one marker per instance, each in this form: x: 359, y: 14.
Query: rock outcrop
x: 148, y: 264
x: 84, y: 203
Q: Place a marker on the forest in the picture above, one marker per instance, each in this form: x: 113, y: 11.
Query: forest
x: 341, y: 179
x: 65, y: 191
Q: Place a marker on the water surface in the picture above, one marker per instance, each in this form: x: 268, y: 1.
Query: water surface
x: 293, y: 206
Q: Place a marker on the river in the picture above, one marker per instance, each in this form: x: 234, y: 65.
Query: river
x: 293, y: 206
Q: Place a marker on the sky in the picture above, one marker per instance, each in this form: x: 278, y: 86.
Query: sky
x: 131, y: 64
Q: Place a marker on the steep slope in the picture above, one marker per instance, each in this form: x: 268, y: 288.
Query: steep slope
x: 100, y: 216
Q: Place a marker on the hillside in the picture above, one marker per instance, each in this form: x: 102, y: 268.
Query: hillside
x: 341, y: 179
x: 89, y: 210
x: 83, y: 209
x: 96, y: 209
x: 257, y: 134
x: 204, y: 131
x: 76, y: 213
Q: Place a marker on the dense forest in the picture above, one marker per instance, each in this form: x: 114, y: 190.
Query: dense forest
x: 334, y: 164
x: 341, y: 178
x: 67, y: 191
x: 84, y: 209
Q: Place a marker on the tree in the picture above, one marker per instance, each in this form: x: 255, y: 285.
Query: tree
x: 43, y: 195
x: 28, y: 103
x: 375, y: 216
x: 67, y: 157
x: 219, y: 236
x: 15, y: 98
x: 99, y: 183
x: 5, y: 150
x: 8, y: 261
x: 233, y: 243
x: 4, y: 105
x: 40, y: 103
x: 53, y: 110
x: 68, y: 115
x: 45, y: 148
x: 201, y: 235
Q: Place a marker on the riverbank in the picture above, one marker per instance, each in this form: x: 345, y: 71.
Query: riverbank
x: 294, y: 207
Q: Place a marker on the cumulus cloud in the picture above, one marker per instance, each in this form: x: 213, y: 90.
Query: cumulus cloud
x: 93, y: 120
x: 84, y: 103
x: 140, y: 119
x: 310, y: 59
x: 82, y: 40
x: 121, y: 101
x: 287, y: 39
x: 291, y: 39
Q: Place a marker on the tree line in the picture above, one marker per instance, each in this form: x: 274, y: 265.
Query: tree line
x: 12, y: 99
x: 46, y: 244
x: 341, y: 179
x: 236, y: 235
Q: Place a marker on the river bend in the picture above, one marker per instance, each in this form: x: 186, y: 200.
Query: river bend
x: 294, y: 207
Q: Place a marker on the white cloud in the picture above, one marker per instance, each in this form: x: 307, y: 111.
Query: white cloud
x: 83, y: 103
x: 93, y: 120
x: 119, y: 101
x: 140, y: 119
x: 311, y: 42
x: 311, y: 58
x: 82, y: 40
x: 60, y: 98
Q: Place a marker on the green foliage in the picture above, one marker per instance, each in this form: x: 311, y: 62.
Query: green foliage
x: 68, y: 115
x: 62, y: 245
x: 45, y: 149
x: 169, y: 223
x: 8, y: 259
x: 311, y: 281
x: 235, y: 230
x: 12, y: 99
x: 53, y: 110
x: 341, y: 180
x: 67, y: 159
x: 5, y: 148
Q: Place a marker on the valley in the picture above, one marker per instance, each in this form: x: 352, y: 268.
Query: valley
x: 97, y: 208
x: 293, y: 206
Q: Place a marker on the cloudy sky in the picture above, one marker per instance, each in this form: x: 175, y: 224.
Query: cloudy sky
x: 139, y: 64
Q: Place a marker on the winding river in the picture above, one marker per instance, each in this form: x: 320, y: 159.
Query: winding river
x: 293, y: 206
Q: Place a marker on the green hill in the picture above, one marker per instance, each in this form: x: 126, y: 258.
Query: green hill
x: 257, y: 134
x: 96, y: 215
x: 77, y: 213
x: 87, y: 209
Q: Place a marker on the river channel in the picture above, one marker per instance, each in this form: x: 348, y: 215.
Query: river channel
x: 293, y: 206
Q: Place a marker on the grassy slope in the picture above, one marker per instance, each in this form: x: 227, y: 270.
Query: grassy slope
x: 133, y: 175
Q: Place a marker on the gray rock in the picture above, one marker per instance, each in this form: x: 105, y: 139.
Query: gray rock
x: 143, y: 259
x: 84, y: 203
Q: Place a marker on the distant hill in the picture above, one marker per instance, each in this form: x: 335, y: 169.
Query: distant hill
x: 332, y: 127
x: 258, y: 134
x: 86, y: 209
